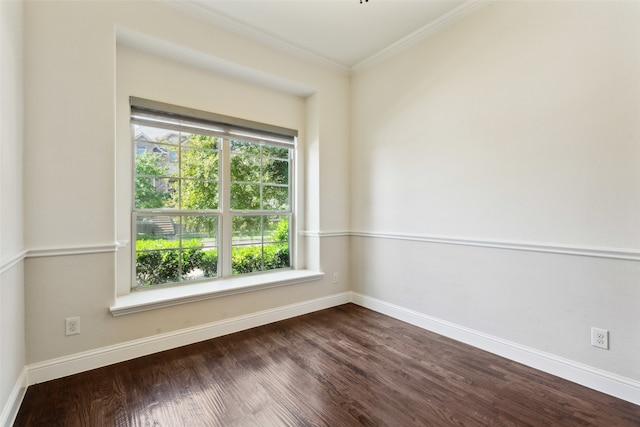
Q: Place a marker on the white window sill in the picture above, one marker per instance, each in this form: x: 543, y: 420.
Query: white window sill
x: 151, y: 299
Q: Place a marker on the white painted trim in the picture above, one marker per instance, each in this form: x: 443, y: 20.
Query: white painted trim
x: 151, y: 299
x: 6, y: 264
x: 73, y: 250
x: 325, y: 233
x: 11, y: 407
x: 554, y: 248
x: 420, y: 34
x: 606, y: 382
x: 80, y: 362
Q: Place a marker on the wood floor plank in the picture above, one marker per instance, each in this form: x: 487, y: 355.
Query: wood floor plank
x: 345, y: 366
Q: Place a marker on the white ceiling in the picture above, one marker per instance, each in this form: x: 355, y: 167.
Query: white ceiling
x: 342, y: 33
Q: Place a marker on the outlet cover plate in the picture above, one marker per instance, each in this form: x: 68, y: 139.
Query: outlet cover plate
x: 600, y: 338
x: 72, y: 326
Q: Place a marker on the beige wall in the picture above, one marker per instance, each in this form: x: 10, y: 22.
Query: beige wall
x: 77, y: 80
x: 517, y: 125
x: 12, y: 336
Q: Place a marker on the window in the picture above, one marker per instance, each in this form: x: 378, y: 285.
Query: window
x: 212, y: 195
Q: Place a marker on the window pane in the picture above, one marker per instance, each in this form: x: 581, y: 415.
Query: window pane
x: 276, y: 228
x: 177, y: 248
x: 154, y: 164
x: 245, y: 168
x: 150, y: 163
x: 245, y: 161
x: 159, y: 160
x: 276, y: 152
x: 260, y: 243
x: 172, y: 137
x: 154, y: 193
x: 201, y: 231
x: 156, y: 228
x: 157, y: 267
x: 275, y: 171
x: 245, y: 196
x: 148, y: 136
x: 209, y: 262
x: 276, y: 256
x: 202, y: 141
x: 245, y: 148
x: 199, y: 195
x: 246, y: 252
x: 199, y: 163
x: 199, y: 171
x: 275, y: 198
x: 247, y: 229
x: 157, y: 249
x: 168, y: 176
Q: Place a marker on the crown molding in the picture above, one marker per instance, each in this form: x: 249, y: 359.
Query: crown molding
x: 223, y: 21
x: 421, y: 33
x: 263, y: 37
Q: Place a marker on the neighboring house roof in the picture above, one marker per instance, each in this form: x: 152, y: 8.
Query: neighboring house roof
x: 143, y: 137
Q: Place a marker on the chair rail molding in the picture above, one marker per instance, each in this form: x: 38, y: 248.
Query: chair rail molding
x: 626, y: 254
x: 13, y: 260
x: 75, y: 250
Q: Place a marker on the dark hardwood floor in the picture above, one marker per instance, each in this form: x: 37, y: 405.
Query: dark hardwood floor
x: 345, y: 366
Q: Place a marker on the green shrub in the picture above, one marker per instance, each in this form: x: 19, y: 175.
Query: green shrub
x: 281, y: 256
x: 161, y: 261
x: 282, y: 232
x: 248, y: 259
x: 209, y: 263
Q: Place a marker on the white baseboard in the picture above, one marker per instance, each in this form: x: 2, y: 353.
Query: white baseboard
x: 11, y: 407
x: 80, y: 362
x: 609, y: 383
x: 605, y: 382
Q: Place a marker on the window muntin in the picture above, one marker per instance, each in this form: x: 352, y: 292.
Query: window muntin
x: 196, y: 183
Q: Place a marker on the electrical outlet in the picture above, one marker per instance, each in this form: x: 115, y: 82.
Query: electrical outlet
x: 600, y: 338
x: 335, y: 278
x: 72, y: 326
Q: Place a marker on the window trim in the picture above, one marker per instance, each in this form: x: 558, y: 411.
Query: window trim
x: 140, y: 300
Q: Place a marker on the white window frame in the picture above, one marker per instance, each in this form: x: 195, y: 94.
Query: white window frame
x: 226, y: 128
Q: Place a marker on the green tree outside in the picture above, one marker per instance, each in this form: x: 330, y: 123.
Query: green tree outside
x: 149, y: 169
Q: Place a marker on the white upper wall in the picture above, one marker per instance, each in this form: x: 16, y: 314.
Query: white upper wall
x: 518, y: 123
